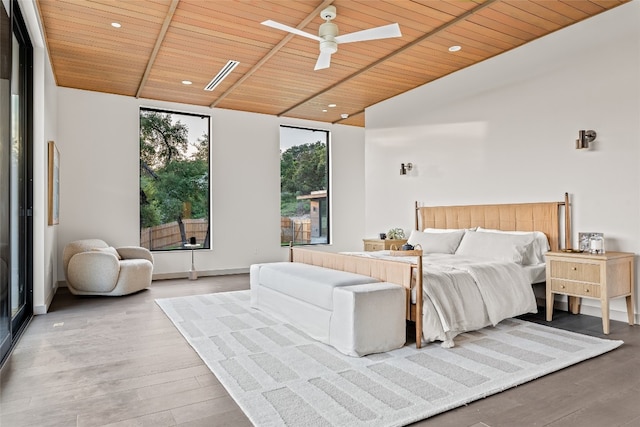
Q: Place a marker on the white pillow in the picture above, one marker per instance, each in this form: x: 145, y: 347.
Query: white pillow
x: 447, y: 230
x: 496, y: 246
x: 535, y: 253
x: 441, y: 243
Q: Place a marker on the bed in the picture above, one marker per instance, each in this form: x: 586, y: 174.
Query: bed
x: 449, y: 303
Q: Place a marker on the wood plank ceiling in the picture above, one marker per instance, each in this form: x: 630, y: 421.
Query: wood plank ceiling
x: 162, y: 42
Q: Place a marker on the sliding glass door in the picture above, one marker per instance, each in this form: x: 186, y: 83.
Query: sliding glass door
x: 5, y: 168
x: 16, y: 177
x: 21, y: 173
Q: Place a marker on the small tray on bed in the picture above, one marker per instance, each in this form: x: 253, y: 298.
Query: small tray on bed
x: 406, y: 253
x: 416, y: 251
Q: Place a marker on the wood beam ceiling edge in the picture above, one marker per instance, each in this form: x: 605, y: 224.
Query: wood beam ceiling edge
x: 394, y: 53
x: 272, y: 52
x: 163, y: 32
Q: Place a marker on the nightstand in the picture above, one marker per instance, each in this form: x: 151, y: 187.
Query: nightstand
x: 597, y: 276
x: 382, y: 245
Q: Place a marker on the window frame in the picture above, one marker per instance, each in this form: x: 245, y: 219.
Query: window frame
x: 327, y: 143
x: 207, y: 242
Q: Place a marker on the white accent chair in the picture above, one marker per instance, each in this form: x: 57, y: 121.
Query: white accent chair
x: 92, y: 267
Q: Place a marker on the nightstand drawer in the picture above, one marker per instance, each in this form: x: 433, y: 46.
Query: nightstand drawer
x: 575, y: 288
x: 575, y: 271
x: 373, y: 246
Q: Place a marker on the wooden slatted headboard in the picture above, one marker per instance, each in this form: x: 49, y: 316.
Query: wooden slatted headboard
x: 544, y: 217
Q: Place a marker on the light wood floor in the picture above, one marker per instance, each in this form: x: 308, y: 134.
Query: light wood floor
x: 120, y: 362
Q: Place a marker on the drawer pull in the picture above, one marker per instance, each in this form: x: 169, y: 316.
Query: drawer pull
x: 573, y: 268
x: 561, y: 286
x: 586, y: 290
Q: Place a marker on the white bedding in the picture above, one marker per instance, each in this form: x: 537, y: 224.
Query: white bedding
x: 536, y: 273
x: 462, y: 293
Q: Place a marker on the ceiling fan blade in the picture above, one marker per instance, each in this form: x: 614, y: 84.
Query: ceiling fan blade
x: 324, y: 61
x: 279, y: 26
x: 384, y: 32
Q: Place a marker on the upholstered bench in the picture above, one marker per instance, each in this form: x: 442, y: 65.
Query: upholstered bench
x: 351, y: 312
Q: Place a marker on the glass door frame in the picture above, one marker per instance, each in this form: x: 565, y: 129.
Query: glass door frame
x: 6, y: 41
x: 19, y: 190
x: 25, y: 244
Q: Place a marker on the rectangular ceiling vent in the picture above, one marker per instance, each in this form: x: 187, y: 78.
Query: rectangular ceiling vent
x: 224, y: 72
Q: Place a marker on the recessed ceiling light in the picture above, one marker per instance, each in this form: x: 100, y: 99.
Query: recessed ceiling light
x: 187, y: 82
x: 116, y: 25
x: 332, y: 105
x: 454, y: 48
x: 324, y: 111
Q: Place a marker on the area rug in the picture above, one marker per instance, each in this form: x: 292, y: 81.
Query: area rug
x: 280, y: 376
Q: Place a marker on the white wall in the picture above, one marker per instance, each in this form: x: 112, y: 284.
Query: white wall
x: 505, y: 129
x: 99, y: 173
x: 46, y: 253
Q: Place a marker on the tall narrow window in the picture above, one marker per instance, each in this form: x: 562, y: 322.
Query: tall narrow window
x: 304, y: 186
x: 174, y: 180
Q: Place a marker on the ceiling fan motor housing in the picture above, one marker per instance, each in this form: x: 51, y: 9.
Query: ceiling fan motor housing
x: 328, y: 13
x: 328, y: 32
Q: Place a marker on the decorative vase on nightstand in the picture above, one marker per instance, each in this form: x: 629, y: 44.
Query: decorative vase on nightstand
x: 395, y: 233
x: 596, y: 243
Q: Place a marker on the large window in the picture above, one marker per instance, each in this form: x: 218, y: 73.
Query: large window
x: 304, y: 186
x: 174, y: 180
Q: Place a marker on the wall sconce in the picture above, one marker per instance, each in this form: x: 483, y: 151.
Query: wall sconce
x: 404, y: 167
x: 584, y: 138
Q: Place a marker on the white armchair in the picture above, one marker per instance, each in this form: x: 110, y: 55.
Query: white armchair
x: 92, y: 267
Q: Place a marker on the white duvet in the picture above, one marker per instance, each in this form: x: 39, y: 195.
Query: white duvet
x: 463, y: 294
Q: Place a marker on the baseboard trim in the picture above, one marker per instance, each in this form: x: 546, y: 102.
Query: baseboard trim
x: 185, y: 275
x: 40, y: 309
x: 44, y: 308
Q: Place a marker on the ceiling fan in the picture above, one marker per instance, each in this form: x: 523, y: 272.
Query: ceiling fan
x: 329, y: 38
